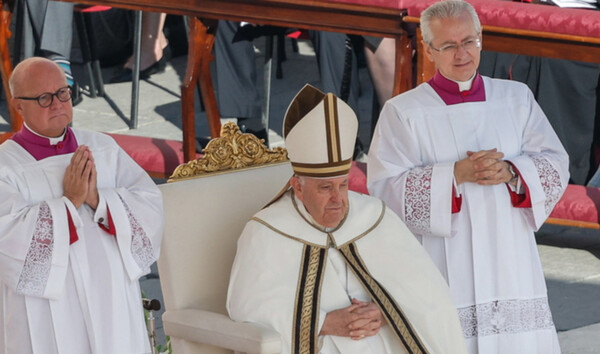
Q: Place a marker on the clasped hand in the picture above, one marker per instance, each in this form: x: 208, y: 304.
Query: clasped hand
x: 484, y: 167
x: 79, y: 182
x: 357, y: 321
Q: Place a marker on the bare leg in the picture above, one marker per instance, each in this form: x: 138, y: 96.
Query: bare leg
x: 153, y: 40
x: 381, y: 67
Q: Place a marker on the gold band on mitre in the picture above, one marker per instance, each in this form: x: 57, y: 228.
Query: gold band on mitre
x: 320, y: 132
x: 322, y: 170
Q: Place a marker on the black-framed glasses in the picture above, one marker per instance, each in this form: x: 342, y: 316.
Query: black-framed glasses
x: 452, y: 49
x: 45, y: 99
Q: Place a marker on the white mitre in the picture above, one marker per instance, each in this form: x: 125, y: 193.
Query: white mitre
x: 320, y: 132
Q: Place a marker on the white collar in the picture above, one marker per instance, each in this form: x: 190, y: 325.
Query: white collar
x: 465, y: 85
x: 53, y: 141
x: 288, y: 218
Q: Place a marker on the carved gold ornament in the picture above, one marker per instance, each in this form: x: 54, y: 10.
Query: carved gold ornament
x: 232, y: 150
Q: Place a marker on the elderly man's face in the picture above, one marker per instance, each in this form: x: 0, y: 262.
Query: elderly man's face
x: 460, y: 62
x: 325, y: 199
x: 39, y: 78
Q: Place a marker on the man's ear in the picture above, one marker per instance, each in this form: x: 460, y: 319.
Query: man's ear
x: 17, y: 105
x: 296, y: 186
x: 428, y: 51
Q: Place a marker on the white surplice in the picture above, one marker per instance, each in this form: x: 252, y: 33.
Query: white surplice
x: 264, y: 283
x: 486, y: 251
x: 85, y: 297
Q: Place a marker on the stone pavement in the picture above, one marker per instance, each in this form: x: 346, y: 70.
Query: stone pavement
x: 571, y: 257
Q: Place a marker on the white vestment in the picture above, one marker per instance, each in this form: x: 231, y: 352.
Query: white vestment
x: 486, y: 251
x: 58, y: 298
x: 267, y: 277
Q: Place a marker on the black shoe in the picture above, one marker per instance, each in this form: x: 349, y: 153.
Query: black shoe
x: 159, y: 66
x: 261, y: 134
x: 359, y: 151
x: 123, y: 75
x: 201, y: 143
x: 126, y: 74
x: 76, y: 96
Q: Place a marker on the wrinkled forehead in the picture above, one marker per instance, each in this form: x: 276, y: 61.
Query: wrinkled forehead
x: 323, y: 181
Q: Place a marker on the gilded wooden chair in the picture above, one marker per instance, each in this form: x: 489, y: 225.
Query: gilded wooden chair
x: 207, y: 203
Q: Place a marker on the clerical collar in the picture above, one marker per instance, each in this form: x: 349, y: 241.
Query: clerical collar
x: 465, y: 85
x: 41, y: 147
x: 453, y: 92
x: 52, y: 141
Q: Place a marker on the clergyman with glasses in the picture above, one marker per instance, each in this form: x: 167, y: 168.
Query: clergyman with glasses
x: 473, y: 167
x: 80, y: 223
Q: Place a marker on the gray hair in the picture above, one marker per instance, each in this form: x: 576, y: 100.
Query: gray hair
x: 301, y: 179
x: 446, y: 9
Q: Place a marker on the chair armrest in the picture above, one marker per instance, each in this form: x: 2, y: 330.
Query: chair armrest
x: 219, y: 330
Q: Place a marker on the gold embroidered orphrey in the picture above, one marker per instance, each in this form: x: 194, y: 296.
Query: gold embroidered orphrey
x: 304, y: 330
x: 305, y: 336
x: 232, y: 150
x: 388, y: 307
